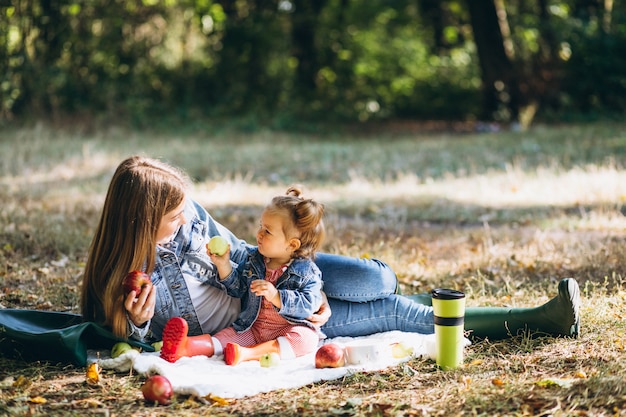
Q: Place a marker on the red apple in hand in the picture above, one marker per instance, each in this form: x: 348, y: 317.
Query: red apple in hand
x: 157, y: 388
x: 329, y: 355
x: 136, y: 280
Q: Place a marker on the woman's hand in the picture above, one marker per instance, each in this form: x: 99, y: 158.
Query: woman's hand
x: 141, y: 309
x: 322, y: 315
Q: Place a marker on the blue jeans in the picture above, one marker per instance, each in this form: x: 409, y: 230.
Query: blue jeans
x: 361, y: 294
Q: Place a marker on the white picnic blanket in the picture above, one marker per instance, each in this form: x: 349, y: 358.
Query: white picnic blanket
x: 201, y: 376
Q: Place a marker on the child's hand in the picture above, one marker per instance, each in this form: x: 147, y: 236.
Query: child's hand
x: 218, y: 259
x: 265, y: 289
x: 224, y: 268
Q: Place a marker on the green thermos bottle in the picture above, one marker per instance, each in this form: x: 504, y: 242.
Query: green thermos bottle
x: 449, y: 311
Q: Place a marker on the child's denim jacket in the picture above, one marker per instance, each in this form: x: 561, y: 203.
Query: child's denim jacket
x: 299, y: 287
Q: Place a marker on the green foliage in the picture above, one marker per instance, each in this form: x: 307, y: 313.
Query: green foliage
x: 595, y: 80
x: 288, y: 63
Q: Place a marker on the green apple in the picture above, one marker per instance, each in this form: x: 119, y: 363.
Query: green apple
x: 120, y: 348
x: 218, y: 245
x: 270, y: 359
x: 157, y: 345
x: 401, y: 350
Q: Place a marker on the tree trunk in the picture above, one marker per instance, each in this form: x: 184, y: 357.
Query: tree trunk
x: 242, y: 64
x: 304, y: 23
x: 586, y: 9
x: 431, y: 13
x: 500, y: 81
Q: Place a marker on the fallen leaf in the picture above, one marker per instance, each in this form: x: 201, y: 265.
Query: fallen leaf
x: 218, y: 400
x: 93, y: 373
x: 498, y: 382
x: 37, y: 400
x: 22, y: 382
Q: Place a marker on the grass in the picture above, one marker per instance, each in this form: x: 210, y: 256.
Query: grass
x: 500, y: 216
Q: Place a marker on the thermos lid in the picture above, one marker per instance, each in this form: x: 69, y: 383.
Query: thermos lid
x: 447, y: 294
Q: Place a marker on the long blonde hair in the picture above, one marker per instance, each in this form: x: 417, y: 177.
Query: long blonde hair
x: 141, y: 192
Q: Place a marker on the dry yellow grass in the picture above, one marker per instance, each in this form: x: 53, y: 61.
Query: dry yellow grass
x: 502, y: 217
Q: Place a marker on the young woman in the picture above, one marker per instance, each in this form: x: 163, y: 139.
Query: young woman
x: 148, y: 223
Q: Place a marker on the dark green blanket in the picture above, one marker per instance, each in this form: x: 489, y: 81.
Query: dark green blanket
x: 34, y: 335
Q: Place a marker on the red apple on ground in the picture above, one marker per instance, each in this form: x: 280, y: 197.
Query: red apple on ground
x: 136, y: 280
x: 157, y: 388
x: 330, y: 355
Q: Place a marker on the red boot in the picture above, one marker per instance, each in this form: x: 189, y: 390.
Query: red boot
x: 234, y: 353
x: 177, y: 344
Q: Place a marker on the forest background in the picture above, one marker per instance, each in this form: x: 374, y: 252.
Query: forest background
x: 286, y: 64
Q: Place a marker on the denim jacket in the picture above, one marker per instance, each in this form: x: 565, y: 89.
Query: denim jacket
x: 299, y: 287
x: 186, y: 256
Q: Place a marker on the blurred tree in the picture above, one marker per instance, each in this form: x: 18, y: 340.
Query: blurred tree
x: 500, y: 81
x: 304, y: 23
x: 276, y: 60
x: 250, y: 61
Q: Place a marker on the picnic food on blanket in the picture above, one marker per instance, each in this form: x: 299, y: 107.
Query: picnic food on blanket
x: 270, y: 359
x: 218, y: 245
x: 158, y: 388
x: 177, y: 344
x: 120, y: 348
x: 330, y: 355
x: 401, y: 350
x: 207, y: 378
x: 357, y: 353
x: 136, y: 281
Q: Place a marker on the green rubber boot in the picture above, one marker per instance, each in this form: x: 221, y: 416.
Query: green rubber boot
x: 558, y: 317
